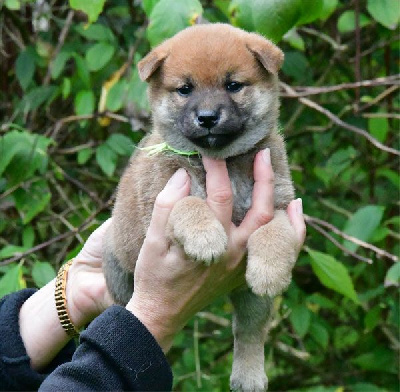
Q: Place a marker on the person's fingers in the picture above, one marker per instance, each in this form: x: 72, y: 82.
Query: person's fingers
x: 93, y: 247
x: 177, y: 188
x: 295, y: 213
x: 219, y: 191
x: 262, y: 207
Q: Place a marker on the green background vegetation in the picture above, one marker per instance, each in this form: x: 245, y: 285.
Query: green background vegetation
x: 72, y: 109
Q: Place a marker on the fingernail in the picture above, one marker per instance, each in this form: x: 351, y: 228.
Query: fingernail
x: 267, y: 156
x: 179, y: 179
x: 299, y: 206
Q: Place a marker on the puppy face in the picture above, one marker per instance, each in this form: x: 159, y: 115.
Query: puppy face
x: 213, y: 88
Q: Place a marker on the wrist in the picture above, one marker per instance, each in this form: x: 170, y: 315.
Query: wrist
x: 156, y: 320
x: 82, y: 297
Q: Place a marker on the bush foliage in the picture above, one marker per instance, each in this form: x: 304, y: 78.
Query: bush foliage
x: 73, y: 109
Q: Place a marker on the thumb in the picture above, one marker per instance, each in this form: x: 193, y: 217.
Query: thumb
x: 176, y: 189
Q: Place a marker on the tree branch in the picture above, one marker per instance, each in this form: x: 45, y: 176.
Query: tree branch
x: 379, y: 252
x: 63, y: 35
x: 338, y: 244
x: 60, y: 237
x: 341, y: 123
x: 303, y: 91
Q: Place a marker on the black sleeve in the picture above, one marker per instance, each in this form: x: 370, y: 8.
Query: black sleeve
x: 15, y: 371
x: 116, y: 352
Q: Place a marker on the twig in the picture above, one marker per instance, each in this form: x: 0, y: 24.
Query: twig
x: 381, y: 96
x: 302, y: 355
x: 60, y: 44
x: 341, y: 123
x: 60, y: 237
x: 336, y: 243
x: 221, y: 321
x: 303, y: 91
x: 380, y: 252
x: 324, y: 37
x: 196, y: 352
x: 69, y: 226
x: 75, y: 149
x: 381, y: 115
x: 379, y: 45
x: 60, y: 123
x: 357, y: 69
x: 81, y: 186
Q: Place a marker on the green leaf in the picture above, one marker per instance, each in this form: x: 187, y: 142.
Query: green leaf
x: 294, y: 39
x: 92, y: 8
x: 295, y: 65
x: 365, y: 387
x: 11, y: 250
x: 99, y: 55
x: 84, y: 102
x: 332, y: 274
x: 10, y: 144
x: 320, y: 334
x: 37, y: 96
x: 346, y: 22
x: 345, y: 337
x: 386, y: 12
x: 121, y: 144
x: 372, y: 318
x: 148, y: 6
x: 32, y: 200
x: 380, y: 359
x: 28, y: 237
x: 82, y: 70
x: 116, y: 96
x: 66, y: 88
x: 59, y: 63
x: 84, y: 155
x: 137, y: 92
x: 300, y: 318
x: 320, y: 300
x: 363, y: 224
x: 273, y: 18
x: 42, y: 273
x: 96, y: 32
x: 162, y: 25
x: 25, y: 68
x: 378, y: 127
x: 12, y: 280
x: 22, y: 153
x: 328, y: 8
x: 13, y: 5
x: 392, y: 277
x: 106, y: 157
x: 241, y: 14
x: 392, y: 176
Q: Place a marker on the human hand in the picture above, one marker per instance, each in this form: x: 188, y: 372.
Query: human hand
x: 87, y: 294
x: 170, y: 289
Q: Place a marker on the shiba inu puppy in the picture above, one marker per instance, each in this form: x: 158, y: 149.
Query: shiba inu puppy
x: 213, y: 89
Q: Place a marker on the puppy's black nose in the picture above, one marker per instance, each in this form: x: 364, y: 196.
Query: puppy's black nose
x: 207, y: 118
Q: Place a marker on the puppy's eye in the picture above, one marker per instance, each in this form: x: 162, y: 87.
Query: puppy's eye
x: 234, y: 87
x: 185, y: 90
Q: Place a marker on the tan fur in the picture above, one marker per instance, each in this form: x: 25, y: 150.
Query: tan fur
x: 208, y: 56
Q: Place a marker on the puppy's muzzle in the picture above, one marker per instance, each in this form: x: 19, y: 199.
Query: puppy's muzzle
x: 207, y: 118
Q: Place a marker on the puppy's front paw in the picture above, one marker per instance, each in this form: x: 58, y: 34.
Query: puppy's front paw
x: 206, y: 244
x: 248, y: 381
x: 195, y: 227
x: 266, y: 275
x: 271, y: 257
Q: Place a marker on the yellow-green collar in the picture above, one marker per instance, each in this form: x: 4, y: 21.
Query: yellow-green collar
x: 164, y: 147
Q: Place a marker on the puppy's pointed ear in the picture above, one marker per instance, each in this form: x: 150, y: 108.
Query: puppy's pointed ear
x: 150, y: 63
x: 268, y: 54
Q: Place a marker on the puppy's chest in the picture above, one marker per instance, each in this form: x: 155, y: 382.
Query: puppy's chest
x: 242, y: 187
